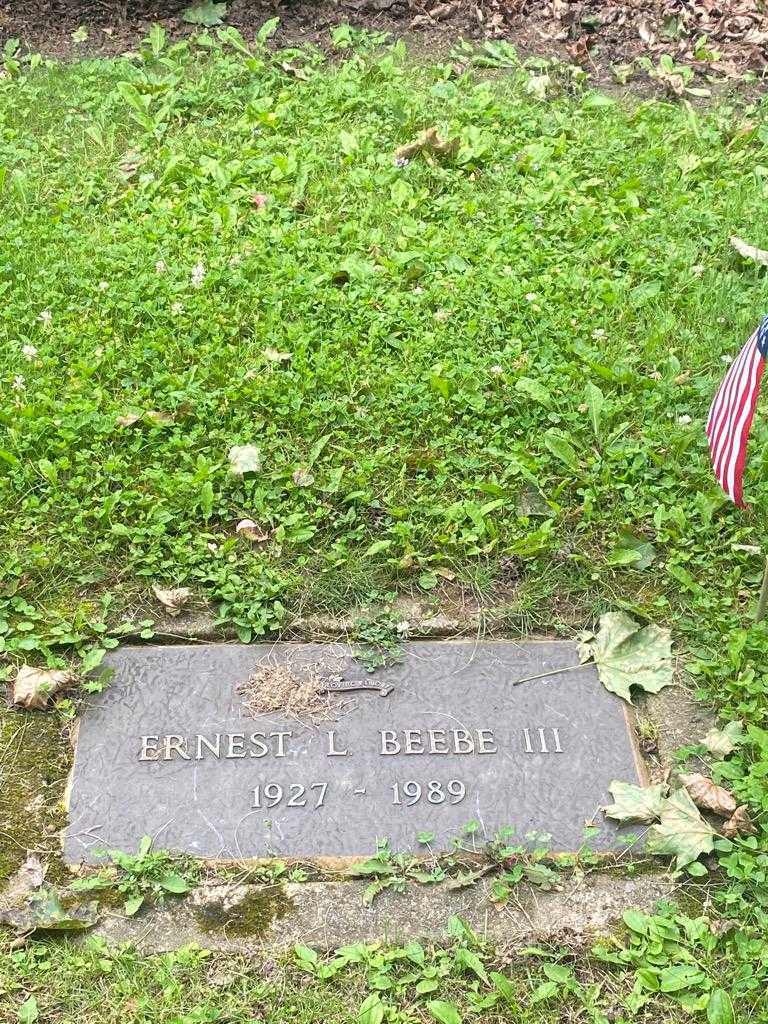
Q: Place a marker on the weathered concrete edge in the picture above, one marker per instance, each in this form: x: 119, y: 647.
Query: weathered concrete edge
x: 424, y: 623
x: 327, y: 915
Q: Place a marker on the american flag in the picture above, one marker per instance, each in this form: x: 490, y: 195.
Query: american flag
x: 731, y: 413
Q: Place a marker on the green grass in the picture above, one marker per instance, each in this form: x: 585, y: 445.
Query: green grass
x: 446, y: 326
x: 462, y: 981
x: 503, y: 355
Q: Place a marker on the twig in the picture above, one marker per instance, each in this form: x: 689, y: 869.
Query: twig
x: 543, y: 675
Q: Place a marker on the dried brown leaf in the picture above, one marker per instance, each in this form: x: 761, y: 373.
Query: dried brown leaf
x: 708, y: 796
x: 28, y: 877
x: 645, y: 31
x: 560, y: 8
x: 739, y: 824
x: 174, y: 599
x: 33, y: 686
x: 32, y: 872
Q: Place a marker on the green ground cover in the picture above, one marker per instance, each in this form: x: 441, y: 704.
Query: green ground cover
x: 453, y: 368
x: 442, y: 365
x: 401, y: 985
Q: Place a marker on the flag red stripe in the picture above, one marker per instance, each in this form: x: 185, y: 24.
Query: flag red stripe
x: 732, y: 411
x: 724, y: 402
x: 737, y: 492
x: 723, y: 451
x: 732, y: 385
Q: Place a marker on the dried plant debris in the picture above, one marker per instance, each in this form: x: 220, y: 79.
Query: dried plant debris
x: 739, y: 824
x: 428, y: 142
x: 244, y: 458
x: 252, y: 531
x: 33, y: 687
x: 708, y: 796
x: 174, y: 599
x: 723, y: 742
x: 278, y: 687
x: 749, y: 252
x: 29, y: 876
x: 710, y: 36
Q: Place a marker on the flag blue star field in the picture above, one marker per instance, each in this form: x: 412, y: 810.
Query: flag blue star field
x: 732, y: 411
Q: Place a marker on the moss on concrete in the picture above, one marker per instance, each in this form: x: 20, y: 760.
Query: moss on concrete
x: 250, y: 916
x: 35, y: 758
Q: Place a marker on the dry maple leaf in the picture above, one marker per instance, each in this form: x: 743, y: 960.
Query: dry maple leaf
x: 749, y: 252
x: 708, y: 796
x: 739, y: 824
x: 33, y: 686
x: 635, y: 803
x: 174, y: 600
x: 681, y: 832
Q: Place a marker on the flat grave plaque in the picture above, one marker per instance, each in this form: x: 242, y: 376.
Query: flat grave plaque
x: 169, y: 750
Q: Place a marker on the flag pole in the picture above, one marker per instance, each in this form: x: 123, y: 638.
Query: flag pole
x: 762, y: 602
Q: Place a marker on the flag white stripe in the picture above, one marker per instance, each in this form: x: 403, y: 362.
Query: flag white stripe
x: 720, y: 394
x: 721, y: 436
x: 738, y: 439
x: 722, y: 403
x: 724, y: 443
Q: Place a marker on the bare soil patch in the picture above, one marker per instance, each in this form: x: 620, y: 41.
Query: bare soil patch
x: 724, y: 38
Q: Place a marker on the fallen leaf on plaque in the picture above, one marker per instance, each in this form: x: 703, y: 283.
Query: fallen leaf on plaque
x: 641, y: 804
